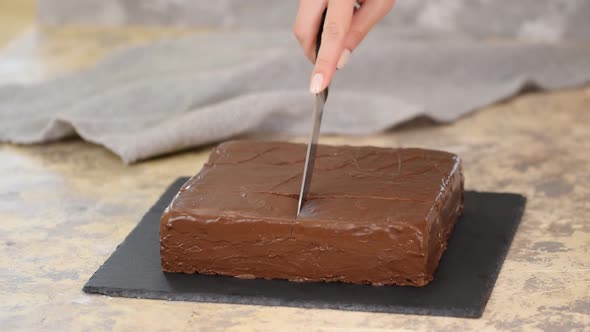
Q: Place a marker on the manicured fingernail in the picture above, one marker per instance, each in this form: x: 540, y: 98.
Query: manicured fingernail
x: 316, y: 83
x: 343, y: 59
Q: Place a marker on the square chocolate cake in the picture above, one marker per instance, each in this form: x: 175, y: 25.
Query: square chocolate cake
x: 379, y: 216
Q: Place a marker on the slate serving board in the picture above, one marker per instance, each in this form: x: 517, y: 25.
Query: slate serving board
x: 461, y: 286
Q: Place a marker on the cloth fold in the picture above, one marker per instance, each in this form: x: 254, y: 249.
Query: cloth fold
x: 164, y: 97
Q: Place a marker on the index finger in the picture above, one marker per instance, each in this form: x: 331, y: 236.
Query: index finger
x: 307, y: 24
x: 336, y: 28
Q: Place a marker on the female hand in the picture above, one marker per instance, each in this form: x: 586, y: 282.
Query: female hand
x: 344, y: 29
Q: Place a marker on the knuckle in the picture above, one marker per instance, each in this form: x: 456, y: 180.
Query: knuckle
x: 392, y: 3
x: 386, y: 5
x: 322, y: 61
x: 298, y: 33
x: 332, y: 31
x: 356, y: 34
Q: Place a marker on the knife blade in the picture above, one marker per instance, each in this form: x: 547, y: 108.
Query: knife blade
x: 318, y: 109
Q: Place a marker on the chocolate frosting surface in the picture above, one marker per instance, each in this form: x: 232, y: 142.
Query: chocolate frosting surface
x: 373, y: 215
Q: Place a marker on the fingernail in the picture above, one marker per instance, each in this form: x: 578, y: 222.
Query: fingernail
x: 316, y: 83
x: 343, y: 59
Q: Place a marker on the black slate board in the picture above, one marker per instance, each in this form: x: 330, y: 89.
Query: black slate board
x: 461, y: 286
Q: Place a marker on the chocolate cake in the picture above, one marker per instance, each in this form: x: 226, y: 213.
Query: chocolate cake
x: 379, y: 216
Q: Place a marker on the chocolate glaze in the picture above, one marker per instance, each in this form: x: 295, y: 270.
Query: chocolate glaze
x: 374, y: 215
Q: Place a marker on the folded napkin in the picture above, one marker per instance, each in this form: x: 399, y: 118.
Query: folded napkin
x: 164, y: 97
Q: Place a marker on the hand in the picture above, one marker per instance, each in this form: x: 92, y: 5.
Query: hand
x: 344, y: 29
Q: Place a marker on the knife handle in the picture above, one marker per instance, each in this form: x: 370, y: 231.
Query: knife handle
x: 318, y: 43
x: 318, y: 40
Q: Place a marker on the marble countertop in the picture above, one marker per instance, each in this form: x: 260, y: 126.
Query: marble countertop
x: 64, y: 207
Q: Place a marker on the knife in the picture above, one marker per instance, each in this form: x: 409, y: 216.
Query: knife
x: 318, y: 109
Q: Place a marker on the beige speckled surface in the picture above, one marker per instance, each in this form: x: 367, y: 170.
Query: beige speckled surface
x: 65, y: 207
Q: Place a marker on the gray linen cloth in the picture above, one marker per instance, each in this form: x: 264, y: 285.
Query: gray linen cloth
x: 168, y: 96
